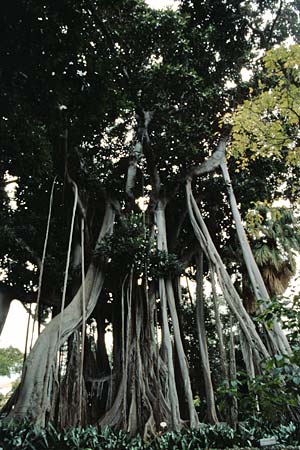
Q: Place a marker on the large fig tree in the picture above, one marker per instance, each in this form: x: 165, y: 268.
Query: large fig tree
x: 111, y: 131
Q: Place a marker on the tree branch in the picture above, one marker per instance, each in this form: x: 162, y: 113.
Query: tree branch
x: 212, y: 163
x: 137, y: 152
x: 278, y: 14
x: 10, y: 181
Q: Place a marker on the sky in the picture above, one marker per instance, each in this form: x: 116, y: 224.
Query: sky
x: 14, y: 331
x: 14, y: 334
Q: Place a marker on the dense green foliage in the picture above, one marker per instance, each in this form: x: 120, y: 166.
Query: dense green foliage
x: 131, y: 248
x: 57, y: 56
x: 221, y: 436
x: 267, y: 124
x: 11, y: 361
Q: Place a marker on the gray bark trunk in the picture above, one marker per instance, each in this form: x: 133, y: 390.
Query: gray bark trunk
x: 137, y: 152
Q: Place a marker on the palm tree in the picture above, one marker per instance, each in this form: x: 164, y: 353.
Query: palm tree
x: 275, y: 240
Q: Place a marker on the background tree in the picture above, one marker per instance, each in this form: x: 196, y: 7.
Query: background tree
x: 11, y: 361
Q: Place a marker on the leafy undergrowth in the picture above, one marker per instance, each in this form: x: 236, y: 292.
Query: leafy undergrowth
x: 24, y: 436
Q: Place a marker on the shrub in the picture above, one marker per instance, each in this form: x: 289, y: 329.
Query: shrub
x: 24, y: 436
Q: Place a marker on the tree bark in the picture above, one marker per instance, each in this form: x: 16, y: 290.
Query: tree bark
x: 168, y: 351
x: 137, y: 152
x: 71, y: 393
x: 143, y: 398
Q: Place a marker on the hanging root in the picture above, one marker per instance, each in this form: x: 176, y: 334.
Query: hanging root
x: 81, y: 381
x: 230, y: 294
x: 38, y: 385
x: 166, y: 288
x: 277, y: 340
x: 145, y: 395
x: 37, y: 309
x: 200, y: 319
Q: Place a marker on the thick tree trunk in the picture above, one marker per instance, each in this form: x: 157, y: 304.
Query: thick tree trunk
x: 143, y: 399
x: 39, y: 375
x: 137, y: 152
x: 70, y: 395
x: 146, y: 394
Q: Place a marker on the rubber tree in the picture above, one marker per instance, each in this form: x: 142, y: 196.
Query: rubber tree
x: 134, y: 97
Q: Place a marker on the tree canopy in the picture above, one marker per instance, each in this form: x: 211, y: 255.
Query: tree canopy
x: 267, y: 124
